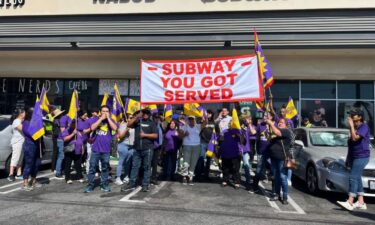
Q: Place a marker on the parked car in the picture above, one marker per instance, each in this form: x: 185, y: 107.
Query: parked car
x: 320, y: 155
x: 6, y: 149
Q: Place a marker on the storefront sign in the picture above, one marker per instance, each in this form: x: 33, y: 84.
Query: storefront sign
x: 95, y: 7
x: 226, y: 79
x: 34, y: 86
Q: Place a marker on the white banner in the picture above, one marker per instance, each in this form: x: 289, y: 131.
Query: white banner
x: 228, y: 79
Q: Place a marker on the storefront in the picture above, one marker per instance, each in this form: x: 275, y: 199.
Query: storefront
x: 321, y: 52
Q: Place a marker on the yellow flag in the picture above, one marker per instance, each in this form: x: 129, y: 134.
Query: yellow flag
x: 74, y: 106
x: 105, y: 99
x: 44, y: 101
x: 193, y: 109
x: 168, y: 113
x: 291, y: 110
x: 132, y: 106
x: 235, y: 124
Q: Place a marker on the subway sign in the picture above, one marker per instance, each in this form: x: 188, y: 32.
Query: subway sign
x: 14, y: 3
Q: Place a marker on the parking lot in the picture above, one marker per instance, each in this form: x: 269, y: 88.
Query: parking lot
x: 169, y: 203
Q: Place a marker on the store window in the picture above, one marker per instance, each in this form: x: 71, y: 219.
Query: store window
x: 319, y: 112
x: 355, y: 90
x: 344, y: 108
x: 318, y: 89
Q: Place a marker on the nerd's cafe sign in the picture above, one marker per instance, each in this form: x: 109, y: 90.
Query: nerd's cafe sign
x: 14, y: 3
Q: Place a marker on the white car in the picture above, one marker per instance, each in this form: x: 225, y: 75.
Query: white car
x: 6, y: 149
x: 320, y: 155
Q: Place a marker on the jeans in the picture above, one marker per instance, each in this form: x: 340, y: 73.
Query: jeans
x: 60, y: 156
x: 281, y: 178
x: 247, y: 166
x: 191, y: 156
x: 232, y: 167
x: 170, y: 161
x: 125, y: 153
x: 95, y: 158
x: 261, y: 165
x: 355, y: 177
x: 77, y: 159
x: 31, y: 159
x: 140, y: 156
x: 290, y: 173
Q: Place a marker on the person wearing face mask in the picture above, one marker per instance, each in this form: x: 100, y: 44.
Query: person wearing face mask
x: 101, y: 148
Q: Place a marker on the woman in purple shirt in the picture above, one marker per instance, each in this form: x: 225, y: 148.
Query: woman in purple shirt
x: 31, y: 149
x: 73, y: 139
x: 357, y: 159
x: 248, y: 131
x: 171, y: 146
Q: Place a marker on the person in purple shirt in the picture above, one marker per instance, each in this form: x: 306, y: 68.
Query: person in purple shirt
x: 32, y: 151
x: 73, y: 139
x: 171, y: 146
x: 248, y: 131
x: 101, y: 148
x: 357, y: 159
x: 231, y: 155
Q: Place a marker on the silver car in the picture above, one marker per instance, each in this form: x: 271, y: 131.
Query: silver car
x: 320, y: 155
x: 6, y: 149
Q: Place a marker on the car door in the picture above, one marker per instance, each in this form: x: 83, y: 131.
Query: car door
x: 300, y: 153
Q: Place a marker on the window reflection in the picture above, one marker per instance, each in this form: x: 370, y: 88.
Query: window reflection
x: 320, y: 113
x: 344, y: 108
x: 318, y: 89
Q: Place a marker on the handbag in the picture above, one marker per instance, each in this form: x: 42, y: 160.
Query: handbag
x: 69, y: 148
x: 288, y: 162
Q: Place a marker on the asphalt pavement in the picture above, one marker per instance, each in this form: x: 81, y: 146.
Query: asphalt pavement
x: 169, y: 203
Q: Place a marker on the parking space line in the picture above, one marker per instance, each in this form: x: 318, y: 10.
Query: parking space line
x: 131, y: 194
x: 273, y: 204
x: 19, y: 183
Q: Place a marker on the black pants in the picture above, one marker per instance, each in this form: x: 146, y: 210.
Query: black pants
x: 69, y: 158
x: 232, y: 167
x: 154, y: 163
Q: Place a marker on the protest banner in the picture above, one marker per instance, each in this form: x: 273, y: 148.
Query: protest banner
x: 227, y: 79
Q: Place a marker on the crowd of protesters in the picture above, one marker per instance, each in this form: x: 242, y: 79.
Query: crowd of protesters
x: 143, y: 141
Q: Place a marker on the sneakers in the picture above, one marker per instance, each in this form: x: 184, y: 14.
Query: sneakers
x: 88, y: 189
x: 105, y: 188
x: 236, y: 186
x: 284, y: 201
x: 11, y: 178
x: 69, y: 182
x: 81, y: 180
x: 346, y: 205
x: 27, y: 188
x: 154, y: 182
x: 119, y: 181
x: 127, y: 188
x: 126, y: 180
x: 145, y: 189
x: 19, y: 177
x: 360, y: 206
x: 184, y: 181
x: 59, y: 177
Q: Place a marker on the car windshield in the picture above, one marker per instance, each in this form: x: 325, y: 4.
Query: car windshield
x: 329, y: 138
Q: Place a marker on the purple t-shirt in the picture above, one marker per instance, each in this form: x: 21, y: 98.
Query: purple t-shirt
x: 65, y: 121
x: 81, y: 126
x: 360, y: 148
x: 77, y: 141
x: 171, y: 141
x: 103, y: 136
x: 246, y: 147
x: 262, y: 142
x: 230, y: 146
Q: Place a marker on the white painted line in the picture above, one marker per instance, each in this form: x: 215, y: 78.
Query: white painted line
x: 158, y: 187
x: 296, y: 206
x: 12, y: 190
x: 20, y: 182
x: 131, y: 194
x: 272, y: 203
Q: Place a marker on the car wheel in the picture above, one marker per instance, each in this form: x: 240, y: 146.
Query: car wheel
x: 311, y: 179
